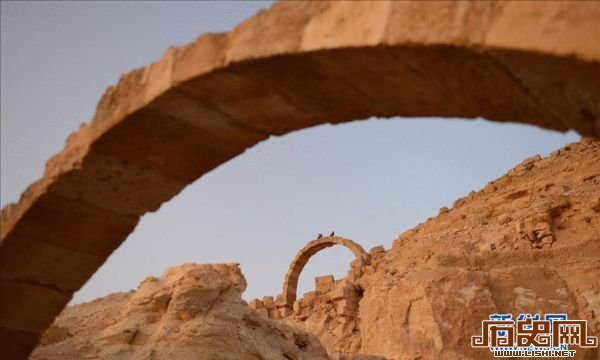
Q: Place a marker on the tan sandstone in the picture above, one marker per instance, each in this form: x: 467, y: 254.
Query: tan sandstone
x: 528, y: 242
x: 297, y: 65
x: 192, y: 311
x: 423, y: 298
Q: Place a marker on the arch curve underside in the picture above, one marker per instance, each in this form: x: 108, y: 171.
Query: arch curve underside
x: 290, y: 285
x: 294, y: 66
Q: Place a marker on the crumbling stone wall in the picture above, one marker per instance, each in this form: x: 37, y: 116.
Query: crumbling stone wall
x: 331, y: 311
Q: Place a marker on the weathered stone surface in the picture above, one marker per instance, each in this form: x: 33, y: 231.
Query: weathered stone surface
x: 21, y: 304
x: 268, y: 302
x: 324, y: 284
x: 164, y: 125
x: 425, y: 297
x: 54, y: 334
x: 45, y: 264
x: 191, y: 310
x: 330, y: 312
x: 17, y: 344
x: 376, y: 250
x: 530, y: 245
x: 256, y: 304
x: 98, y: 232
x: 344, y: 289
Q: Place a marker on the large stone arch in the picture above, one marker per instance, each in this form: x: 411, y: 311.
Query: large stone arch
x: 290, y: 284
x: 296, y: 65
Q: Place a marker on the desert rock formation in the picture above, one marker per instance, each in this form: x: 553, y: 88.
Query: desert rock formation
x: 296, y: 65
x: 190, y: 312
x: 528, y: 242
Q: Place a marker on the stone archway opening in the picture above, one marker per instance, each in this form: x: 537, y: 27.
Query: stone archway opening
x: 290, y: 285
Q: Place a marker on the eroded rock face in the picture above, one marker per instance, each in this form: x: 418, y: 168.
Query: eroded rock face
x: 332, y: 315
x: 528, y: 242
x: 190, y: 311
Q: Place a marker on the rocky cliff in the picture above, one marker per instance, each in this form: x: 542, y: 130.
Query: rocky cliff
x: 190, y: 312
x: 528, y: 242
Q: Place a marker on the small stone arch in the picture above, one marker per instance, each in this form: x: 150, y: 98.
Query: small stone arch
x: 290, y: 284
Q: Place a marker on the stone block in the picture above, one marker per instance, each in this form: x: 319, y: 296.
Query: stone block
x: 16, y: 344
x: 158, y: 76
x: 345, y: 307
x: 214, y: 124
x: 256, y: 304
x: 377, y: 250
x: 360, y: 262
x: 324, y: 284
x: 200, y: 56
x: 28, y: 307
x: 344, y: 290
x: 268, y: 302
x: 274, y: 314
x: 42, y: 263
x: 50, y: 220
x: 310, y: 296
x: 297, y: 307
x: 263, y: 312
x: 118, y: 184
x: 248, y: 101
x: 172, y: 150
x: 285, y: 311
x: 279, y: 300
x: 54, y: 334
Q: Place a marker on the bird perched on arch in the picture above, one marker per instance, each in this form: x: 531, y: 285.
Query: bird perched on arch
x: 332, y: 233
x: 319, y: 236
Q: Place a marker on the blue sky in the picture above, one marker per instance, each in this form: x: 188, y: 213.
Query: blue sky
x: 367, y: 180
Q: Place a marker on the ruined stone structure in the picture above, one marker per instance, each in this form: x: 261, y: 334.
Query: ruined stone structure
x: 527, y: 242
x: 297, y: 65
x: 290, y: 284
x: 331, y: 310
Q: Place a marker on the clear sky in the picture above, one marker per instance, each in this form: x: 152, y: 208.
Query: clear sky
x: 368, y: 180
